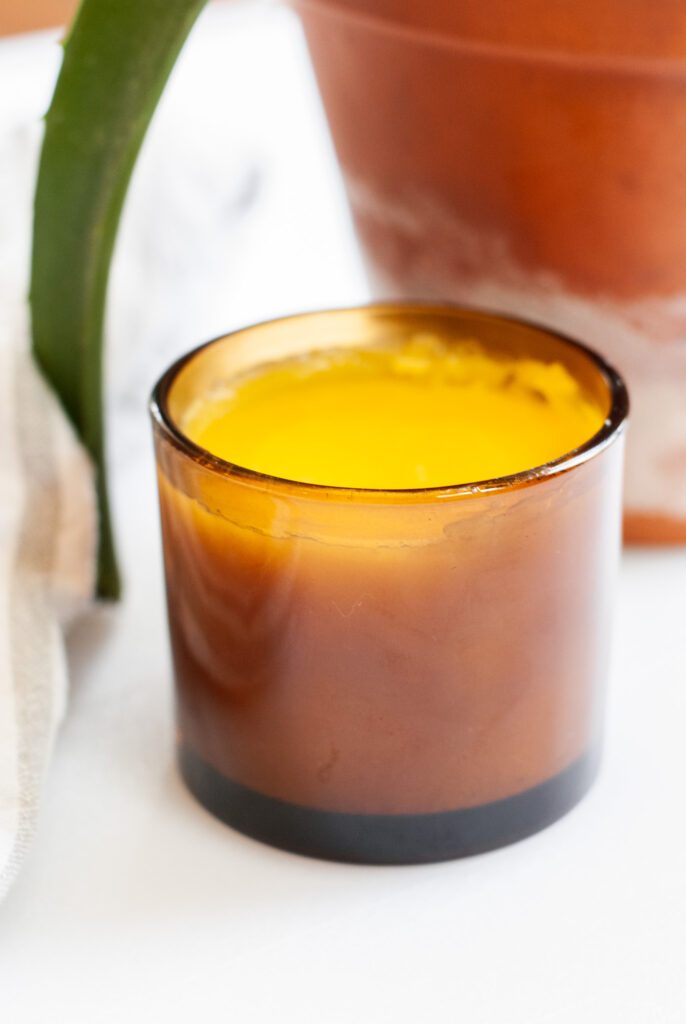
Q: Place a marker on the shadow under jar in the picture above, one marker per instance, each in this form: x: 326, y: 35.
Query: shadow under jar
x: 388, y: 676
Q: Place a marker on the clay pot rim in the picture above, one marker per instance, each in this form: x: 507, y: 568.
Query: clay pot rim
x: 621, y: 64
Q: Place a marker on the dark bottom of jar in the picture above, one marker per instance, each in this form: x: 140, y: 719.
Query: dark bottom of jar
x: 386, y: 838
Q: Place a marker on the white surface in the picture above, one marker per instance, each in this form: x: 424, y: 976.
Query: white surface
x: 135, y: 905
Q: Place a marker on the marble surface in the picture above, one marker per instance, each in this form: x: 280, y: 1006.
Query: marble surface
x: 135, y: 904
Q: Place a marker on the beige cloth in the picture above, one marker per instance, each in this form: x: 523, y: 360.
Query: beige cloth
x: 47, y: 528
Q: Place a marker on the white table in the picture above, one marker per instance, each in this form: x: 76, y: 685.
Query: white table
x: 135, y: 905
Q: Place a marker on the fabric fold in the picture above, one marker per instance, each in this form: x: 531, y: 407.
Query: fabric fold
x: 48, y: 532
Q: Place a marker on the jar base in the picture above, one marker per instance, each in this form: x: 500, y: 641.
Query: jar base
x: 386, y: 838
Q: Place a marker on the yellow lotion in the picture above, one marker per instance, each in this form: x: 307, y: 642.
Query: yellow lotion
x: 423, y: 415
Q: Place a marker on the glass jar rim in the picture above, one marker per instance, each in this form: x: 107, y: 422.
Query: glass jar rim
x: 613, y: 425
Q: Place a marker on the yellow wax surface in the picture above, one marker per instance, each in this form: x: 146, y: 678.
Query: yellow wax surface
x: 421, y: 415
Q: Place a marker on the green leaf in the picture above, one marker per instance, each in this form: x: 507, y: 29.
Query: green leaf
x: 116, y: 61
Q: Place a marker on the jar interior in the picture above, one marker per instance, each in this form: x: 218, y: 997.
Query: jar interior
x: 221, y: 361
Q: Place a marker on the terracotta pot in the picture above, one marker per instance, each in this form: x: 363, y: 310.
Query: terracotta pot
x: 530, y: 158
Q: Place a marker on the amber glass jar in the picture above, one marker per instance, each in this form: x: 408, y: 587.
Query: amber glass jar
x: 388, y: 676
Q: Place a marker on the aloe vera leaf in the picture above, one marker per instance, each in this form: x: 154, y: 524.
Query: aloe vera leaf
x: 117, y: 58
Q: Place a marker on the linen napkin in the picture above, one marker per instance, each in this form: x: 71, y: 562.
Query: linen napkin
x: 48, y: 527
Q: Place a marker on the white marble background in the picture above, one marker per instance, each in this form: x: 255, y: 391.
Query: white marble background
x: 135, y: 905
